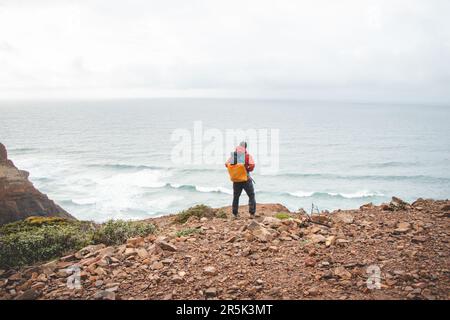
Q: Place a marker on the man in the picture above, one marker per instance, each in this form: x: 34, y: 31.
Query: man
x: 240, y: 154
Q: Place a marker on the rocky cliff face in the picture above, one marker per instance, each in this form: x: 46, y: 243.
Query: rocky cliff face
x: 19, y: 198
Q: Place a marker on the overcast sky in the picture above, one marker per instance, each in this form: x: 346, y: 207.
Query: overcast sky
x: 394, y: 50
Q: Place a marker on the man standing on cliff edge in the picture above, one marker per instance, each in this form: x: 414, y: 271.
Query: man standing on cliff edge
x: 239, y: 166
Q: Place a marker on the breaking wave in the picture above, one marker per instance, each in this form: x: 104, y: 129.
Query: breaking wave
x: 352, y: 195
x: 419, y: 178
x: 199, y: 188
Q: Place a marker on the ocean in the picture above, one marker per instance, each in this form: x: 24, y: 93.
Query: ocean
x: 114, y: 158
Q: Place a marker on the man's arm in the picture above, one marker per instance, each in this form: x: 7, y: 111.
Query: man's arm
x: 250, y: 163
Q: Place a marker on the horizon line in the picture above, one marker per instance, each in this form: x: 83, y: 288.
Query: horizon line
x: 281, y: 99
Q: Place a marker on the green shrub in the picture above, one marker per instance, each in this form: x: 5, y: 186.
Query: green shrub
x: 282, y: 215
x: 198, y: 211
x: 115, y: 232
x: 26, y: 242
x: 32, y: 223
x: 186, y: 232
x: 39, y: 239
x: 221, y: 214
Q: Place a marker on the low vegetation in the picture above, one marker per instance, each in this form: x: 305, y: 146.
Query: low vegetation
x: 282, y: 215
x: 43, y: 238
x: 198, y: 211
x: 221, y: 214
x: 115, y: 232
x: 187, y: 232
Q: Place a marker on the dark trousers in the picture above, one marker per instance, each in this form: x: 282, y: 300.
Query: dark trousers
x: 237, y: 190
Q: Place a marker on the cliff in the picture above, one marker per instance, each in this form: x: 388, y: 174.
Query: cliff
x: 392, y: 251
x: 19, y: 198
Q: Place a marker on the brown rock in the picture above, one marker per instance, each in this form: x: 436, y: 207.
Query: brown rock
x: 105, y: 295
x: 135, y: 242
x: 419, y: 239
x: 142, y: 253
x: 317, y: 238
x: 210, y: 271
x: 91, y: 249
x: 272, y: 222
x: 342, y: 273
x: 3, y: 154
x: 344, y: 217
x: 321, y: 218
x: 330, y: 241
x: 167, y: 246
x: 274, y: 248
x: 177, y: 279
x: 313, y: 291
x: 70, y: 257
x: 100, y: 271
x: 157, y: 265
x: 210, y: 292
x: 310, y: 262
x: 402, y: 227
x: 38, y: 286
x: 366, y: 206
x: 106, y: 252
x: 253, y: 225
x: 258, y: 231
x: 262, y: 234
x: 129, y: 252
x: 30, y: 294
x: 398, y: 204
x: 19, y: 199
x: 231, y: 239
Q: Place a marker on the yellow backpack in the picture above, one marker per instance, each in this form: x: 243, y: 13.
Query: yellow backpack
x: 236, y: 167
x: 237, y: 172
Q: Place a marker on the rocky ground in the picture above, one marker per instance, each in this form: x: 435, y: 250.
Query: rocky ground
x: 330, y: 257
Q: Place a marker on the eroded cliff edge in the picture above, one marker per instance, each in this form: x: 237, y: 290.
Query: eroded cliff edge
x: 19, y: 199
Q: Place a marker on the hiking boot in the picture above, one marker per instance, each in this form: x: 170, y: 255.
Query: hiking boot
x: 235, y: 217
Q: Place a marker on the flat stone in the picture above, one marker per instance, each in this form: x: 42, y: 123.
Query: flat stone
x: 167, y: 261
x: 402, y: 227
x: 344, y: 217
x: 30, y: 294
x: 135, y: 242
x: 210, y: 270
x: 157, y: 265
x: 177, y: 279
x: 210, y: 292
x: 167, y: 246
x: 105, y: 295
x: 272, y: 222
x: 342, y: 273
x: 142, y: 253
x: 317, y: 238
x: 330, y: 241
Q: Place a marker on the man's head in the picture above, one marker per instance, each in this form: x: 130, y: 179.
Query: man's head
x: 243, y: 144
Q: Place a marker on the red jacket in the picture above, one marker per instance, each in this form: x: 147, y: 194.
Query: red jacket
x: 249, y: 162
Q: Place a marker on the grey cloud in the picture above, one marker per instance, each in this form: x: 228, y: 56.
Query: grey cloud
x: 298, y: 49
